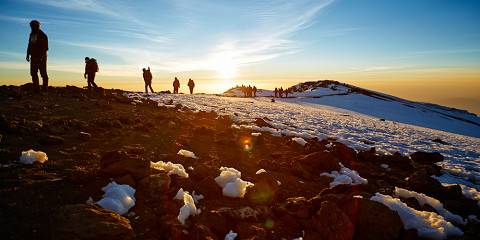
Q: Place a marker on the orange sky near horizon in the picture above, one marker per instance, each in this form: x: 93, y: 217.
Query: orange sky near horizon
x: 459, y: 88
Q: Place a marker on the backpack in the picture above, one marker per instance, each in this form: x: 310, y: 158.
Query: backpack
x: 94, y: 65
x: 149, y: 75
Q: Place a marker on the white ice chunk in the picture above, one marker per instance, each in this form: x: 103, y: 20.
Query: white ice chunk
x: 31, y: 156
x: 424, y: 199
x: 231, y: 182
x: 428, y: 224
x: 256, y: 134
x: 187, y: 153
x: 188, y: 208
x: 170, y: 168
x: 261, y: 171
x: 345, y: 176
x: 117, y: 198
x: 236, y: 188
x: 299, y: 140
x: 231, y: 235
x: 227, y: 175
x: 179, y: 195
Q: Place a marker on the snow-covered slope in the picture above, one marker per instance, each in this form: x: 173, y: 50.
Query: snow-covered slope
x: 462, y: 153
x: 383, y: 106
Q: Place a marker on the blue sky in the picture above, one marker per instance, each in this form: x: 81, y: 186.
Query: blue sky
x: 258, y: 41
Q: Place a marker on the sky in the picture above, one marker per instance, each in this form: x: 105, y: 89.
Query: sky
x: 423, y: 50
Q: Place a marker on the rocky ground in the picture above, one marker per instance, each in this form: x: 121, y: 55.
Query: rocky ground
x: 92, y: 138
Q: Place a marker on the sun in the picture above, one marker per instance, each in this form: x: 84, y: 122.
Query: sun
x: 226, y: 70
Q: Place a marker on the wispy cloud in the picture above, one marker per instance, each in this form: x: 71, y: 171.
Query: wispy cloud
x: 14, y: 19
x: 445, y: 51
x: 267, y: 31
x: 79, y: 5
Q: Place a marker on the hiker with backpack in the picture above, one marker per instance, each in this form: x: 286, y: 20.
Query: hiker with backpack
x: 176, y: 85
x: 37, y: 55
x: 147, y: 77
x: 91, y: 68
x: 191, y: 85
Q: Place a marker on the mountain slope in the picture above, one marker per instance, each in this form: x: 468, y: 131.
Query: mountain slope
x: 371, y: 103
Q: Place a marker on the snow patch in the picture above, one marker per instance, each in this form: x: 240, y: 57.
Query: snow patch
x: 424, y: 199
x: 170, y: 168
x: 299, y: 140
x: 261, y: 170
x: 231, y: 235
x: 188, y: 209
x: 345, y: 176
x: 31, y: 156
x: 256, y: 134
x: 428, y: 224
x: 117, y: 198
x: 231, y: 183
x: 187, y: 153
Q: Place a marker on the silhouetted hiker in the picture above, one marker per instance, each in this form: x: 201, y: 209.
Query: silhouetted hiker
x: 91, y: 68
x: 249, y: 91
x: 276, y: 92
x: 176, y: 85
x: 244, y: 91
x: 280, y: 92
x: 191, y: 85
x: 286, y: 92
x: 147, y: 77
x: 37, y: 55
x: 254, y: 91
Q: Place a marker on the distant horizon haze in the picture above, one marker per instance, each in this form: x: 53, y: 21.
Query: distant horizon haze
x: 426, y: 51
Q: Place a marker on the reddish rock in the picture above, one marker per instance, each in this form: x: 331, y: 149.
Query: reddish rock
x: 316, y: 163
x: 347, y: 155
x: 421, y: 182
x: 262, y: 123
x: 119, y: 163
x: 332, y: 223
x: 373, y: 220
x: 154, y: 186
x: 126, y: 179
x: 248, y: 230
x: 82, y: 221
x: 298, y: 207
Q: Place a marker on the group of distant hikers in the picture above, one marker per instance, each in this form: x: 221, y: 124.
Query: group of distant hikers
x: 279, y: 92
x: 37, y: 56
x: 249, y: 91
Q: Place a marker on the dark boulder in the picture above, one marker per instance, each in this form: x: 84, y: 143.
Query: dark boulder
x: 421, y: 182
x: 82, y: 221
x: 426, y: 158
x: 373, y: 220
x: 316, y: 163
x: 154, y: 187
x: 119, y: 163
x: 262, y: 123
x: 332, y: 223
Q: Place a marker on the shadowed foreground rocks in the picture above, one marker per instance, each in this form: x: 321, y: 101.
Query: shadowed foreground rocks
x: 93, y: 138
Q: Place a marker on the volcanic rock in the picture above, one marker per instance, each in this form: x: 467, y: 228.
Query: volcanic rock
x: 332, y: 223
x: 119, y: 163
x: 82, y: 221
